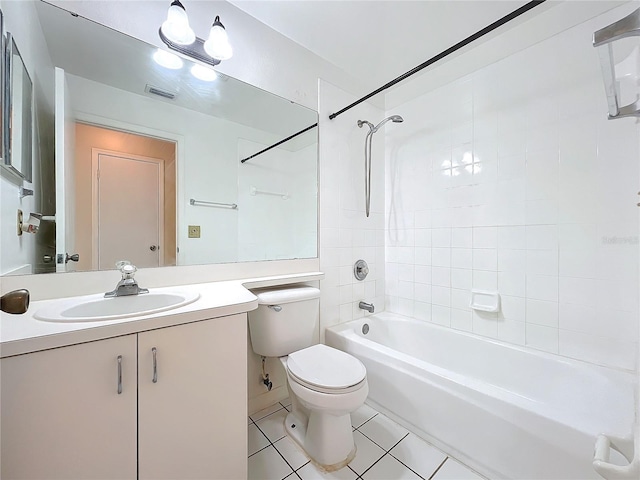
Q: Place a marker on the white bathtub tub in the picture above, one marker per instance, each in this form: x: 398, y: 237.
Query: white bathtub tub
x: 508, y: 412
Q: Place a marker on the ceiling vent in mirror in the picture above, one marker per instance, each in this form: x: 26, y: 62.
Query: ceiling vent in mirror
x: 159, y: 92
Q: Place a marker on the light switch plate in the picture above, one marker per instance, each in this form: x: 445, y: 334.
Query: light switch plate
x: 194, y: 231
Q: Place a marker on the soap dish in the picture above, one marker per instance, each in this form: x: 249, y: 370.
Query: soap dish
x: 485, y: 301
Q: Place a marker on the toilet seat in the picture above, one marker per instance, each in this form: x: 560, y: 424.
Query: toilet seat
x: 326, y: 370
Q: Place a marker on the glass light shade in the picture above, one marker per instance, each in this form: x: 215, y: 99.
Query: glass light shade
x: 203, y: 73
x: 167, y: 60
x: 217, y: 45
x: 176, y: 28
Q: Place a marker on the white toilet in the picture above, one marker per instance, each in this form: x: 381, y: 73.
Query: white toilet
x: 325, y: 384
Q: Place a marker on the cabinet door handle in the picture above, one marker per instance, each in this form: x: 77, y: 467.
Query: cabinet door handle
x: 119, y: 374
x: 154, y: 350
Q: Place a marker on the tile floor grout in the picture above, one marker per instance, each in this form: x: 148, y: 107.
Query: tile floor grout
x: 387, y: 452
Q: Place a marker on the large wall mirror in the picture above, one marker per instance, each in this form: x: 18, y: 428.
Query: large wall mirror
x: 148, y: 152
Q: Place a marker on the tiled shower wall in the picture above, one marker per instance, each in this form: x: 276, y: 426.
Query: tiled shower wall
x: 346, y: 234
x: 513, y: 180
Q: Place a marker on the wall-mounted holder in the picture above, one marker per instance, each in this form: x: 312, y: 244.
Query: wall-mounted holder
x: 485, y: 301
x: 628, y: 26
x: 625, y: 447
x: 32, y: 225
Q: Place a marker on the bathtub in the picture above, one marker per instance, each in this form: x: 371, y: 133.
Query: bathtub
x: 507, y: 411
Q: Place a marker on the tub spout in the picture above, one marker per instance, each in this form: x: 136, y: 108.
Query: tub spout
x: 367, y: 306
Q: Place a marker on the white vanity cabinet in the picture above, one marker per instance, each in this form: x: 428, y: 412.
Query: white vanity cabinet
x: 63, y: 418
x: 192, y: 421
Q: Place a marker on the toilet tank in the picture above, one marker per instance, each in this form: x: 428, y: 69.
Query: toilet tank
x: 287, y: 320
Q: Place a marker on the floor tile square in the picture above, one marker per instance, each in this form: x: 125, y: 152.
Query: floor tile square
x: 273, y: 425
x: 361, y: 415
x: 383, y: 431
x: 257, y: 440
x: 311, y: 472
x: 264, y: 412
x: 452, y: 470
x: 367, y: 453
x: 286, y: 403
x: 418, y: 455
x: 291, y: 452
x: 389, y: 468
x: 267, y: 464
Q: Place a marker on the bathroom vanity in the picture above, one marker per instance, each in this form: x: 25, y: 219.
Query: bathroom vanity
x: 155, y: 396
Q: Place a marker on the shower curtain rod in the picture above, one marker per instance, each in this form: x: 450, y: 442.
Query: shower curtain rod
x: 480, y: 33
x: 280, y: 142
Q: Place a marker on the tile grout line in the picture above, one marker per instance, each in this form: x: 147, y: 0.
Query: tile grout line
x: 439, y: 467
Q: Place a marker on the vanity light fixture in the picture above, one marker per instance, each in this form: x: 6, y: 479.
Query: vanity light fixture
x: 176, y: 33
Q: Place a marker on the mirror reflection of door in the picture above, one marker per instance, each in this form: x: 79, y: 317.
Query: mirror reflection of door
x: 128, y: 218
x: 126, y: 196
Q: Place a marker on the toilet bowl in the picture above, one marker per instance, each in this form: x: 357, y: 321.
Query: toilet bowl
x: 325, y: 384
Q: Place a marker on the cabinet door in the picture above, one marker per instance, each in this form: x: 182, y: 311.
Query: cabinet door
x: 62, y: 415
x: 192, y: 420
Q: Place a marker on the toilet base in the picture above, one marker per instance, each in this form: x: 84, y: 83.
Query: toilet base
x: 326, y: 439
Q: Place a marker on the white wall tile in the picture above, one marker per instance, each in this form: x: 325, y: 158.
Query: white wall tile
x: 542, y: 287
x: 485, y: 324
x: 603, y: 351
x: 513, y: 237
x: 461, y: 258
x: 540, y: 312
x: 441, y: 315
x: 546, y: 221
x: 542, y: 337
x: 511, y: 331
x: 485, y: 237
x: 485, y: 259
x: 461, y: 278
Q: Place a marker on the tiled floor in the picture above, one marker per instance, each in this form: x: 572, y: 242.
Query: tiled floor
x: 385, y: 451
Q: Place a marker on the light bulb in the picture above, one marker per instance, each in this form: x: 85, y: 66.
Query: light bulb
x: 217, y: 45
x: 176, y: 27
x: 204, y: 73
x: 167, y: 60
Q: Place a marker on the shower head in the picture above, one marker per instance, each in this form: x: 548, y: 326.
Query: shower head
x: 392, y: 118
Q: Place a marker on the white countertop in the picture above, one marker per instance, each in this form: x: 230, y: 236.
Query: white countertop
x: 21, y: 334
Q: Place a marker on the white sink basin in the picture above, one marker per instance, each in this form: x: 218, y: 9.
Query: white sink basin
x: 96, y: 308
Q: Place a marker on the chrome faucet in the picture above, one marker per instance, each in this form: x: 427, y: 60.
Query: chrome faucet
x: 128, y: 285
x: 366, y: 306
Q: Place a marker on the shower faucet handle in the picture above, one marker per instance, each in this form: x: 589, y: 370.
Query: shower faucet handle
x: 361, y: 270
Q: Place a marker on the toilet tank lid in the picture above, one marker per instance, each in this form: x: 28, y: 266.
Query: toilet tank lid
x: 273, y: 296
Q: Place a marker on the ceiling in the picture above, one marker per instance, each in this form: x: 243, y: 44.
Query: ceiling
x: 377, y: 40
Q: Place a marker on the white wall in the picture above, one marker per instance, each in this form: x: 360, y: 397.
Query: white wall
x: 208, y: 163
x: 346, y: 234
x: 548, y: 218
x: 21, y: 20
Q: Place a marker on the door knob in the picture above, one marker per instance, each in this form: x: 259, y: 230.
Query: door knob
x: 47, y: 258
x: 153, y: 248
x: 74, y: 258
